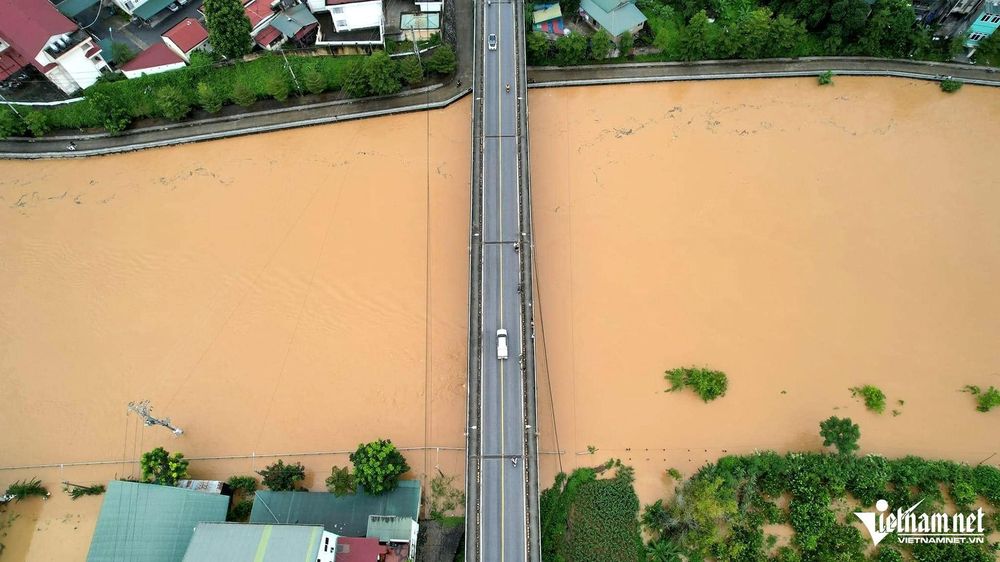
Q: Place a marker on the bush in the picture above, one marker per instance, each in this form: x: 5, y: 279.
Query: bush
x: 950, y: 86
x: 314, y: 80
x: 873, y: 396
x: 625, y: 44
x: 209, y: 98
x: 826, y: 78
x: 381, y: 73
x: 841, y: 433
x: 281, y: 477
x: 243, y: 94
x: 277, y: 87
x: 410, y: 70
x: 240, y: 511
x: 356, y: 80
x: 340, y: 482
x: 378, y: 466
x: 115, y: 116
x: 121, y: 53
x: 445, y: 498
x: 708, y: 384
x: 601, y: 45
x: 571, y: 49
x: 985, y: 400
x: 442, y: 61
x: 172, y: 103
x: 159, y: 467
x: 245, y: 485
x: 38, y: 123
x: 11, y: 125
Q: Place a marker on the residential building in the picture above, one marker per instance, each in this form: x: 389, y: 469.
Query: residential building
x: 260, y: 14
x: 186, y: 37
x: 34, y: 32
x: 418, y: 27
x: 397, y: 533
x: 154, y: 60
x: 614, y: 16
x: 241, y: 542
x: 985, y: 24
x: 431, y: 6
x: 151, y: 523
x: 957, y: 18
x: 354, y: 549
x: 296, y: 25
x: 346, y: 23
x: 548, y: 18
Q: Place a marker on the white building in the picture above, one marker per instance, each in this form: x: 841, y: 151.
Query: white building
x: 349, y: 22
x: 218, y: 542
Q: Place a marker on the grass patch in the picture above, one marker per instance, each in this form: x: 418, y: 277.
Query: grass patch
x: 706, y: 383
x: 873, y: 397
x: 589, y: 519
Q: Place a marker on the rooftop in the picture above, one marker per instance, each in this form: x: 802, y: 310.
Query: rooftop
x: 187, y: 34
x: 615, y: 17
x: 293, y: 20
x: 546, y: 13
x: 258, y: 11
x: 351, y: 549
x: 157, y: 55
x: 27, y: 25
x: 215, y: 542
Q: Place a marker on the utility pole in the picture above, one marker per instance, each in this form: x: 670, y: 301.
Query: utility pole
x: 143, y: 410
x: 292, y: 72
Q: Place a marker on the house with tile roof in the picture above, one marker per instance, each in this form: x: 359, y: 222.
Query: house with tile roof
x: 186, y: 37
x: 614, y: 16
x: 154, y: 60
x: 35, y: 33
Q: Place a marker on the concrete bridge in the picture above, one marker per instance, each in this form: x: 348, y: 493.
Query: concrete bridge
x: 502, y: 468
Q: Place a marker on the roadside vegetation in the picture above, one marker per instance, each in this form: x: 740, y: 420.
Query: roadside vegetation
x: 690, y: 30
x: 592, y: 515
x: 721, y: 512
x: 706, y: 383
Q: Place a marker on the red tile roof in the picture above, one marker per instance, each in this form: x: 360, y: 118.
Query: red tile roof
x: 267, y: 36
x: 350, y: 549
x: 258, y: 11
x: 157, y: 55
x: 28, y: 25
x: 10, y: 62
x: 187, y: 34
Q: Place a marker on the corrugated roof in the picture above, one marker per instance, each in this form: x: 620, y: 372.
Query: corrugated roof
x: 425, y: 20
x: 387, y: 528
x: 351, y: 549
x: 157, y: 55
x: 292, y: 20
x: 267, y: 36
x: 618, y: 20
x: 346, y: 515
x: 150, y: 523
x: 546, y: 13
x: 257, y: 12
x: 151, y: 8
x: 222, y: 542
x: 187, y: 34
x: 70, y: 8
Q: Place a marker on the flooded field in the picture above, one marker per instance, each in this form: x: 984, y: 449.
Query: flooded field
x: 300, y: 292
x: 802, y: 239
x: 291, y: 292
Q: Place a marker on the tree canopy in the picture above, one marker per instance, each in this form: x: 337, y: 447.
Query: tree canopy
x: 378, y: 466
x: 228, y: 27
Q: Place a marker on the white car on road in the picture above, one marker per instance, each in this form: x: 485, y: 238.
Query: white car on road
x: 492, y: 41
x: 501, y: 344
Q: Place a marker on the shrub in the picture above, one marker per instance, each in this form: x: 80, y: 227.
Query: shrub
x: 243, y: 94
x: 115, y: 117
x: 38, y: 123
x: 873, y: 396
x: 121, y: 53
x: 314, y: 79
x: 963, y: 493
x: 985, y: 400
x: 240, y: 511
x: 571, y: 49
x: 950, y: 85
x: 356, y: 80
x: 410, y: 70
x: 378, y: 466
x: 625, y: 43
x: 601, y: 45
x: 341, y: 481
x: 281, y: 477
x: 445, y: 498
x: 826, y: 78
x: 159, y: 467
x: 841, y: 433
x: 708, y: 384
x: 381, y: 73
x: 277, y: 87
x: 442, y: 61
x: 245, y: 485
x: 11, y: 125
x: 209, y: 98
x: 172, y: 103
x: 23, y: 489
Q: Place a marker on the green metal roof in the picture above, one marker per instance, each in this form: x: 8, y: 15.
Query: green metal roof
x: 387, y: 528
x: 346, y: 515
x: 615, y: 17
x: 218, y: 542
x: 546, y: 13
x: 292, y: 20
x: 150, y: 523
x: 70, y: 8
x: 150, y: 8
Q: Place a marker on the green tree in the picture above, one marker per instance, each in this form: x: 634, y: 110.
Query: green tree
x: 625, y: 43
x: 121, y: 53
x: 243, y: 94
x: 841, y: 433
x: 571, y: 49
x: 281, y: 477
x: 570, y: 8
x: 847, y: 21
x: 697, y: 512
x: 243, y: 485
x: 114, y: 114
x: 694, y: 41
x: 11, y: 125
x: 378, y: 466
x: 442, y: 61
x: 172, y: 102
x: 601, y: 45
x: 209, y: 98
x: 38, y: 122
x: 891, y: 30
x: 383, y: 78
x: 314, y: 79
x: 988, y: 51
x: 663, y: 550
x: 341, y: 481
x: 410, y: 70
x: 788, y: 37
x: 755, y: 33
x: 277, y: 86
x: 160, y: 467
x: 228, y: 27
x: 538, y: 47
x: 356, y: 80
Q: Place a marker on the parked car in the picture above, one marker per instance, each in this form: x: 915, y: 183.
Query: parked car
x: 501, y: 344
x: 492, y: 41
x: 174, y: 7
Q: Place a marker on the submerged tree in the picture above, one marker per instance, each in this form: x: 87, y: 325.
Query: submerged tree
x: 840, y: 433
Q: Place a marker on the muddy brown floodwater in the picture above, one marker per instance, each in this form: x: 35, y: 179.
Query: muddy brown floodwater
x: 304, y: 291
x: 802, y: 239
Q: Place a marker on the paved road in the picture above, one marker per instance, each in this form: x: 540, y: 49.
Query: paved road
x: 503, y: 513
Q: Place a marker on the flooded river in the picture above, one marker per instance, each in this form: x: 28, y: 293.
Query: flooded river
x: 306, y: 290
